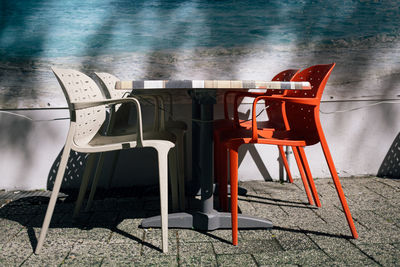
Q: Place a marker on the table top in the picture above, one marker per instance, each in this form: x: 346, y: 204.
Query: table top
x: 211, y: 84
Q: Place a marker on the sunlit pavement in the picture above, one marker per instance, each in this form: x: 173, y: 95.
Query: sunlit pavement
x: 110, y: 235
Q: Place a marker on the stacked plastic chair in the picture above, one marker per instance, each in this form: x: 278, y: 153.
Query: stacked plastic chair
x: 87, y: 108
x: 117, y: 125
x: 302, y: 114
x: 236, y: 127
x: 162, y: 126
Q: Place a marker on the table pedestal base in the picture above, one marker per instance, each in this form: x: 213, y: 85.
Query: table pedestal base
x: 206, y: 221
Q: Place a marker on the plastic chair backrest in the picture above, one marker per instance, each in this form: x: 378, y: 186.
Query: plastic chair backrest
x: 108, y: 80
x: 315, y: 75
x: 78, y: 87
x: 304, y: 119
x: 274, y: 108
x: 283, y: 76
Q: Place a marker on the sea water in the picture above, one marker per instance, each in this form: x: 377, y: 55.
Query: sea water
x: 192, y: 40
x: 98, y: 27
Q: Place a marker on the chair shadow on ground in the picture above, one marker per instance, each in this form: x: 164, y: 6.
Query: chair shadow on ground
x: 278, y: 202
x: 111, y: 208
x: 30, y: 211
x: 390, y: 167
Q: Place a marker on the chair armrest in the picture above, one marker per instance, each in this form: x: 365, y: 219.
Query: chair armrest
x: 139, y: 124
x: 305, y: 101
x: 155, y: 98
x: 226, y: 94
x: 236, y: 104
x: 159, y: 94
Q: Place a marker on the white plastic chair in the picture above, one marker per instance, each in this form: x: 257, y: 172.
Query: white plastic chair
x: 110, y: 129
x: 178, y: 128
x: 88, y: 112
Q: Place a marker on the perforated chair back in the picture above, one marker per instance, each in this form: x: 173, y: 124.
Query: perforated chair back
x: 274, y: 108
x: 317, y: 76
x: 78, y: 87
x: 108, y: 81
x: 283, y: 76
x: 304, y: 119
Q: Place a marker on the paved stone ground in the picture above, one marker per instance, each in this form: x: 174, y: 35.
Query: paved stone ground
x: 302, y: 235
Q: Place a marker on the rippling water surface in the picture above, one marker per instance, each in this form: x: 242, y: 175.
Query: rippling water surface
x: 86, y: 28
x: 197, y: 40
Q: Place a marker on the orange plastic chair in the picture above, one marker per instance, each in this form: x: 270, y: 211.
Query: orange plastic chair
x: 302, y: 114
x: 235, y: 127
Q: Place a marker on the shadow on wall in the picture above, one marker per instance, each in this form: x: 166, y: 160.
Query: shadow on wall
x: 390, y: 167
x: 73, y: 173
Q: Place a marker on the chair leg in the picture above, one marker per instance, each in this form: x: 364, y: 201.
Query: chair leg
x: 303, y: 176
x: 163, y: 180
x: 84, y: 184
x: 181, y: 169
x: 285, y: 163
x: 223, y: 177
x: 216, y: 160
x: 338, y: 186
x: 173, y: 171
x: 96, y: 178
x: 309, y: 176
x: 54, y: 195
x: 113, y: 167
x: 233, y: 159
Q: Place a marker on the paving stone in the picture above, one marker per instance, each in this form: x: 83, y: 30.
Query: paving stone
x: 82, y: 261
x: 204, y: 254
x: 187, y: 235
x: 98, y: 234
x: 385, y: 254
x: 20, y: 250
x: 312, y: 257
x: 391, y: 215
x: 339, y: 248
x: 224, y: 236
x: 90, y: 253
x: 383, y: 189
x: 396, y: 245
x: 236, y: 260
x: 377, y: 228
x: 293, y: 239
x: 303, y: 216
x: 272, y: 212
x: 338, y: 263
x: 365, y: 199
x: 198, y: 260
x: 247, y: 247
x: 247, y: 186
x: 153, y: 260
x: 245, y: 206
x: 201, y: 248
x: 248, y: 234
x: 152, y: 242
x: 8, y: 230
x: 110, y: 235
x: 127, y: 231
x: 15, y: 252
x: 395, y: 183
x: 335, y: 222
